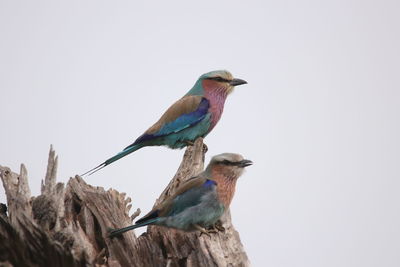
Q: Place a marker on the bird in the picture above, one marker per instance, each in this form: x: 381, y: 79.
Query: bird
x: 200, y: 201
x: 192, y: 116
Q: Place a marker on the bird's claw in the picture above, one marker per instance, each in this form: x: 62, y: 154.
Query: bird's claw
x: 188, y: 143
x: 218, y: 226
x: 204, y: 231
x: 208, y: 232
x: 213, y: 229
x: 191, y: 143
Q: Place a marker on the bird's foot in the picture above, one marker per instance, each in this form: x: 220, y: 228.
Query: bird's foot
x: 188, y: 143
x: 204, y: 231
x: 191, y: 143
x: 218, y: 226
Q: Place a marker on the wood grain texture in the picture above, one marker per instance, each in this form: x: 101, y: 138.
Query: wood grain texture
x: 67, y: 225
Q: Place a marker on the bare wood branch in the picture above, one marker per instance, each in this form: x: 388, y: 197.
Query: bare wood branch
x: 68, y: 225
x: 48, y: 186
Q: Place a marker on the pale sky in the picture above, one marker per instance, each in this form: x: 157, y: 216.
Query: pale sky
x: 320, y: 116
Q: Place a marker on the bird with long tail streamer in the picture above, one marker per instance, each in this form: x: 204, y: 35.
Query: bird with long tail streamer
x: 198, y: 203
x: 192, y: 116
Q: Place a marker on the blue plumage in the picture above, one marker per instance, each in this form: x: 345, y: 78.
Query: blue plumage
x: 200, y: 201
x: 192, y: 197
x: 209, y: 183
x: 186, y: 120
x: 196, y: 206
x: 191, y: 117
x: 182, y: 122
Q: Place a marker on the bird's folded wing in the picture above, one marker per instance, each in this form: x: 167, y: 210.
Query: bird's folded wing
x: 184, y: 113
x: 187, y: 195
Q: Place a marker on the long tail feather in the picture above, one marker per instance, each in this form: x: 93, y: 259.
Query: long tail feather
x: 95, y: 169
x: 114, y: 232
x: 121, y: 154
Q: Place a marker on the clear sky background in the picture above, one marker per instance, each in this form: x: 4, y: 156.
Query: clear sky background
x: 320, y: 116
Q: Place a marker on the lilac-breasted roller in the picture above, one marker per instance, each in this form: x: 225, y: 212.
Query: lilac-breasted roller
x: 199, y: 202
x: 192, y: 116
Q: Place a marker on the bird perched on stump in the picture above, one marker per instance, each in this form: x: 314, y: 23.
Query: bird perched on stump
x: 199, y: 202
x: 192, y: 116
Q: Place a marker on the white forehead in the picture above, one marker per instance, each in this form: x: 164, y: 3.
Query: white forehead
x: 227, y: 156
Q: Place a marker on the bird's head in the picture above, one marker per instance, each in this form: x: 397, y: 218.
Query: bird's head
x: 229, y: 165
x: 219, y: 80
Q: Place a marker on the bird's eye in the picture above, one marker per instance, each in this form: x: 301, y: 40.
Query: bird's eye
x: 218, y: 79
x: 227, y: 162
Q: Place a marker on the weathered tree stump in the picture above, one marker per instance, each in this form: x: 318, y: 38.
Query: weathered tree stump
x: 68, y: 225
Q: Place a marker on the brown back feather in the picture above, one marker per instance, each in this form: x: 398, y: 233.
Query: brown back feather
x: 185, y: 105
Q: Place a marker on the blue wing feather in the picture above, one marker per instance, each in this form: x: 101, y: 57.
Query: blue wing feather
x: 186, y: 120
x: 182, y: 201
x: 191, y: 197
x: 182, y: 122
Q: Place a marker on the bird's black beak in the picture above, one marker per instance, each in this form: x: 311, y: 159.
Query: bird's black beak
x: 236, y: 82
x: 245, y: 163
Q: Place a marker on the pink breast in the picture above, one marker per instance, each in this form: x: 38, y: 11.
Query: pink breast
x: 216, y: 94
x: 225, y: 186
